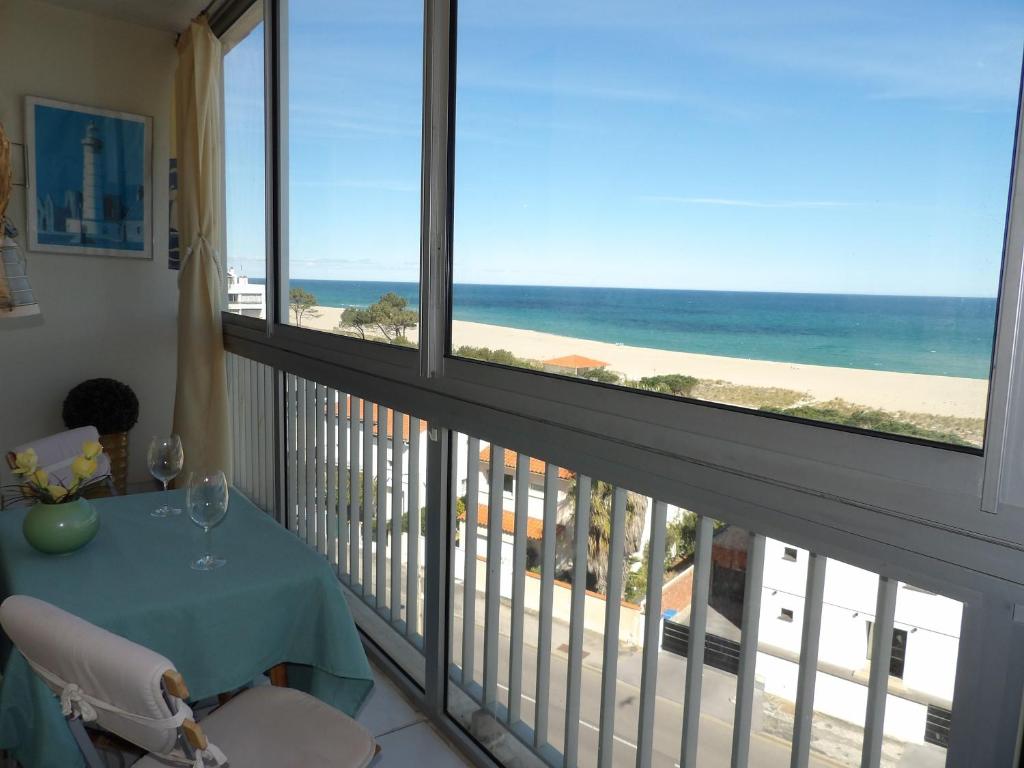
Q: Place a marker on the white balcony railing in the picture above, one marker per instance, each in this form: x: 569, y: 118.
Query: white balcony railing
x: 743, y: 651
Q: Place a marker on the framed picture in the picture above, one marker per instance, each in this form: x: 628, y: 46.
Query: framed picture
x: 89, y: 180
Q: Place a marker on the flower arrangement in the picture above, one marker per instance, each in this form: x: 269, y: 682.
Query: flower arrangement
x: 37, y: 484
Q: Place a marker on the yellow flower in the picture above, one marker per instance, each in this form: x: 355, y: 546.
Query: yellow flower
x: 91, y: 449
x: 25, y: 463
x: 83, y: 468
x: 57, y: 492
x: 40, y: 478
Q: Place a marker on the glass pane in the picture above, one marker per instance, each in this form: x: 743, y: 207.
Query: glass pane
x: 244, y: 159
x: 797, y: 209
x: 354, y: 114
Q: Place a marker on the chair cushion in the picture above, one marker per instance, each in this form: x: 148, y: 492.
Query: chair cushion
x: 268, y: 727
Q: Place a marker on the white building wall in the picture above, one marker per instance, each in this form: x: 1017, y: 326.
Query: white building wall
x: 101, y: 317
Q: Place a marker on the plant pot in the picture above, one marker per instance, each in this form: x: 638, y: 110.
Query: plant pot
x: 115, y: 445
x: 57, y: 529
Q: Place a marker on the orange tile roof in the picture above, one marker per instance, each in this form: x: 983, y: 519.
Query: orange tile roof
x: 534, y: 527
x: 575, y: 361
x: 537, y: 466
x: 406, y: 421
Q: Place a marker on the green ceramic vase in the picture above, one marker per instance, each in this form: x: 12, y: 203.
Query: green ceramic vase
x: 57, y: 529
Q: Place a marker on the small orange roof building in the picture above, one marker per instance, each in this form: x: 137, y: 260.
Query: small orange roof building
x: 574, y: 364
x: 406, y: 420
x: 537, y: 467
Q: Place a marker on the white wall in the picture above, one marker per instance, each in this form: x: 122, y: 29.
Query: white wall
x: 101, y: 316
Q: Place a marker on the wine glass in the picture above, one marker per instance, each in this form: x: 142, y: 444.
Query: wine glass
x: 166, y: 458
x: 207, y: 504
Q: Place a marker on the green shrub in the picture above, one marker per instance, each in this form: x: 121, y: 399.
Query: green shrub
x: 868, y: 418
x: 499, y: 356
x: 669, y: 384
x: 602, y: 375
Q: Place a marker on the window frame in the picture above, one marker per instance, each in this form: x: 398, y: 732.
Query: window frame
x: 872, y: 477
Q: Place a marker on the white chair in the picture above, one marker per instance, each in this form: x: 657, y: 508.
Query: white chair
x: 137, y: 694
x: 56, y: 452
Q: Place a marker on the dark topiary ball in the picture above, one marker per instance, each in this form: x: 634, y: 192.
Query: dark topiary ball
x: 106, y: 404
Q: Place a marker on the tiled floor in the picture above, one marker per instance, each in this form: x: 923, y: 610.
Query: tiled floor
x: 404, y: 735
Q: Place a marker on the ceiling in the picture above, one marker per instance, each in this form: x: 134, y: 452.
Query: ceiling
x: 170, y: 15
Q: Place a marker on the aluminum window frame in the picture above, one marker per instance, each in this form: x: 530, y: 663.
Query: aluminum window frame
x: 906, y: 479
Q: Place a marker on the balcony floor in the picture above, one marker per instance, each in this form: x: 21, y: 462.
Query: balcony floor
x: 404, y: 734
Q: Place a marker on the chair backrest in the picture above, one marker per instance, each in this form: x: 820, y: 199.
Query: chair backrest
x: 97, y: 674
x: 56, y: 452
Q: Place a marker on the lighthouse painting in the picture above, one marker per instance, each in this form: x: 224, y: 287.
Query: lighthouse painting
x: 89, y: 174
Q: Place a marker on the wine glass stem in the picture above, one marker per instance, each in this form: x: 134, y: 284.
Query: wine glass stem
x: 165, y: 485
x: 209, y: 543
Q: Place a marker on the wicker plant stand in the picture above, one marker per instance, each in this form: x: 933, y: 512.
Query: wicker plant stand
x: 115, y: 445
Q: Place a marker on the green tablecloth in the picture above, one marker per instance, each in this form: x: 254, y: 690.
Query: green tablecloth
x: 275, y: 601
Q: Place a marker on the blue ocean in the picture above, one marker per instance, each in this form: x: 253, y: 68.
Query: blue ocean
x: 943, y: 336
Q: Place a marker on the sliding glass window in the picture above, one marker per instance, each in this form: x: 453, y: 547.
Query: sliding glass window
x: 245, y: 164
x: 354, y: 82
x: 797, y: 210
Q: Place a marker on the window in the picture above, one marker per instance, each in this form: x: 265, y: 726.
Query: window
x: 786, y: 614
x: 354, y: 115
x: 898, y: 656
x: 792, y: 211
x: 245, y: 164
x: 789, y: 553
x: 509, y: 484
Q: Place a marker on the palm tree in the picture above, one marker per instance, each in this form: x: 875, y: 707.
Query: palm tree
x: 602, y: 497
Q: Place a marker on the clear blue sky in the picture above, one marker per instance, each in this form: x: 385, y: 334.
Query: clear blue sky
x: 796, y: 146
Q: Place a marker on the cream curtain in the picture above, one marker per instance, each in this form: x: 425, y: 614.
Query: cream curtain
x: 200, y: 403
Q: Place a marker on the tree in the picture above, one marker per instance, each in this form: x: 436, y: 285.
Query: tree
x: 357, y: 319
x: 602, y: 496
x: 388, y: 315
x: 302, y: 304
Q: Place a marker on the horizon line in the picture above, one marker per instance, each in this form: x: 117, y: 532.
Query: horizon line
x: 262, y: 280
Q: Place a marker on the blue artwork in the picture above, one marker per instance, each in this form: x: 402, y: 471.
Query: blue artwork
x: 89, y: 176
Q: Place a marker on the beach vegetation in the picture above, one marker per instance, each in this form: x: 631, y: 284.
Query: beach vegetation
x: 389, y: 317
x: 602, y: 375
x: 746, y: 396
x: 302, y: 304
x: 499, y: 356
x: 853, y: 415
x: 669, y: 384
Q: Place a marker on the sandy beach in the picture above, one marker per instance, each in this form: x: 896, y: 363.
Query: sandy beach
x: 911, y: 392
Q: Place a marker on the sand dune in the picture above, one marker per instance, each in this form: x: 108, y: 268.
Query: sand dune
x: 938, y: 395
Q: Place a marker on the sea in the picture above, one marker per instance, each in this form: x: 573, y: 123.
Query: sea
x: 944, y: 336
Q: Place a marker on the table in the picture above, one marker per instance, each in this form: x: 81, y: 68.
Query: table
x: 275, y: 601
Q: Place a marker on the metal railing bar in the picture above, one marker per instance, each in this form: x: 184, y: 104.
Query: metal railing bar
x: 309, y: 511
x: 807, y: 673
x: 292, y: 452
x: 613, y: 604
x: 492, y: 603
x: 469, y: 575
x: 878, y: 678
x: 749, y: 628
x: 515, y: 667
x: 355, y: 406
x: 547, y: 588
x: 342, y: 472
x: 574, y: 675
x: 380, y: 586
x: 652, y: 629
x: 331, y: 513
x: 367, y: 537
x: 412, y: 567
x: 698, y: 634
x: 320, y: 527
x: 397, y: 478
